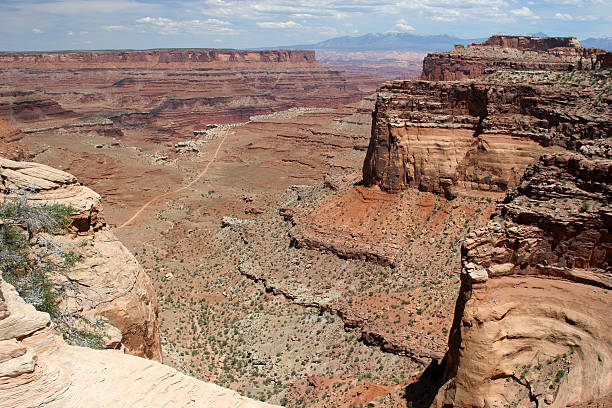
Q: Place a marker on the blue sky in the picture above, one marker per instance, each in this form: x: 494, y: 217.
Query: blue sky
x: 111, y: 24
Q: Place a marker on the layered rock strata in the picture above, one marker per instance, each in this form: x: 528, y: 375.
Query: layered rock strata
x: 165, y: 100
x: 477, y: 135
x: 38, y: 369
x: 502, y: 52
x: 10, y: 136
x: 166, y: 58
x: 28, y: 106
x: 532, y: 325
x: 108, y: 283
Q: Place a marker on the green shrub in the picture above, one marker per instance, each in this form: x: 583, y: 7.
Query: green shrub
x: 27, y: 260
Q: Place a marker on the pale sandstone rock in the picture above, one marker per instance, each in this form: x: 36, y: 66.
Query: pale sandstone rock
x: 110, y: 283
x: 41, y: 370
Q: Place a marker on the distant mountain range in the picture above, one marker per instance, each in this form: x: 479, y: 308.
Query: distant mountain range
x: 413, y: 42
x: 601, y: 42
x: 388, y: 41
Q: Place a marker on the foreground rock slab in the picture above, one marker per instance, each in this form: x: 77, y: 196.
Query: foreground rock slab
x: 38, y: 369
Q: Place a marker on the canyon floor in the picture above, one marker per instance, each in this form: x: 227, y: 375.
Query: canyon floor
x: 277, y: 273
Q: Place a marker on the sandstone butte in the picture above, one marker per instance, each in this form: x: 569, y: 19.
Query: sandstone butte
x: 39, y: 369
x: 513, y: 52
x: 532, y: 325
x: 456, y: 137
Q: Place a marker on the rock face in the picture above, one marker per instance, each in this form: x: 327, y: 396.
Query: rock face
x: 503, y: 52
x: 9, y: 135
x: 109, y: 283
x: 532, y: 325
x: 477, y: 135
x: 38, y: 369
x: 29, y: 106
x: 177, y: 58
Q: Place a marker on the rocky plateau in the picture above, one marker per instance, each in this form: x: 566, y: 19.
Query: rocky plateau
x: 502, y: 52
x: 441, y: 243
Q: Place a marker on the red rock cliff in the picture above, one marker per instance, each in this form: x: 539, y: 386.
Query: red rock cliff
x: 170, y: 58
x: 457, y: 137
x: 510, y: 53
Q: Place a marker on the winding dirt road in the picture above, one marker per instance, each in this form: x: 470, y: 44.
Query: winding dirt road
x: 178, y: 190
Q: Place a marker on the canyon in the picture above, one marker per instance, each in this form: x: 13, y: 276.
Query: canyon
x: 289, y: 232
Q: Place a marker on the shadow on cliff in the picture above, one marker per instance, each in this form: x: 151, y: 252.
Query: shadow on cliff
x: 420, y: 394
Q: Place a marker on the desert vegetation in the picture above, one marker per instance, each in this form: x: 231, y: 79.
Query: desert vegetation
x: 32, y: 260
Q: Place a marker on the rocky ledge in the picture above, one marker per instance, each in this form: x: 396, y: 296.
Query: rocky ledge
x: 532, y: 325
x: 38, y: 369
x: 108, y: 284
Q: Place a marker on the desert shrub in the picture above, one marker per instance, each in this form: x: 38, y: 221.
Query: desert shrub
x: 25, y: 257
x: 29, y: 256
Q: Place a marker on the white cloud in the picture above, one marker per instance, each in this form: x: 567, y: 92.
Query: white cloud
x: 115, y: 28
x: 569, y: 17
x: 282, y: 24
x: 165, y: 25
x: 218, y: 22
x: 524, y: 12
x: 402, y: 24
x: 36, y: 31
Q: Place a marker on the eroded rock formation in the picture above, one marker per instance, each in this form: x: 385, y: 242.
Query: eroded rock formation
x: 503, y: 52
x: 167, y: 58
x: 109, y: 283
x: 479, y: 135
x: 38, y: 369
x: 9, y: 136
x: 532, y: 325
x: 164, y: 94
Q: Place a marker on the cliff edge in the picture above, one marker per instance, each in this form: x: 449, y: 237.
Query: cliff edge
x: 159, y: 59
x: 532, y: 325
x: 107, y: 283
x: 478, y: 136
